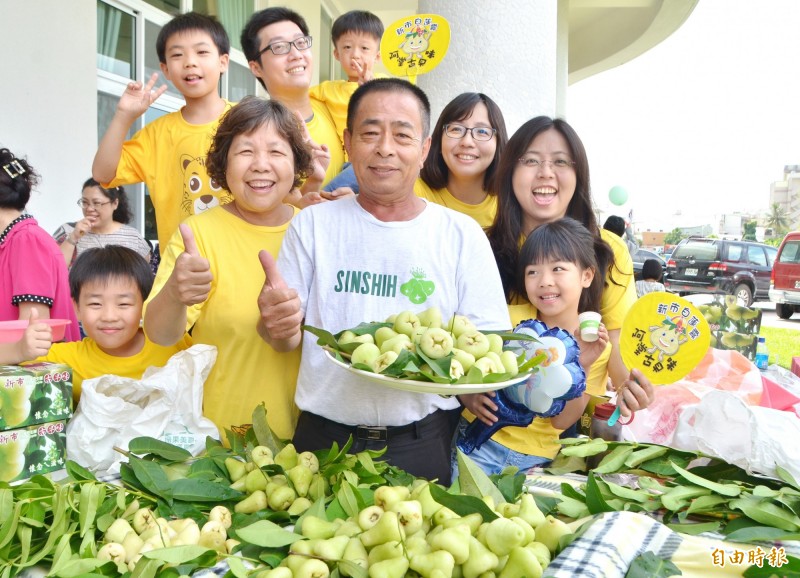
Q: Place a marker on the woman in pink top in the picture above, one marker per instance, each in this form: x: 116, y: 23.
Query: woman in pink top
x: 33, y: 274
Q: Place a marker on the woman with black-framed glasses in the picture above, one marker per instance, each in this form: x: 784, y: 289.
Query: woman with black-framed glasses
x: 106, y: 215
x: 465, y: 150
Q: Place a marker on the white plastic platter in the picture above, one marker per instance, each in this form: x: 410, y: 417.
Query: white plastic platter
x: 428, y: 386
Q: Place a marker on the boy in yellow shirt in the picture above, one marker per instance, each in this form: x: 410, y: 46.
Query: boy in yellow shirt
x: 357, y: 46
x: 108, y: 287
x: 169, y: 154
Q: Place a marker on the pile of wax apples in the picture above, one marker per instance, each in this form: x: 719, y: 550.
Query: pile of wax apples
x: 424, y: 347
x: 408, y: 533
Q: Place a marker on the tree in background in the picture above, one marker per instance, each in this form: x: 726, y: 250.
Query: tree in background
x: 674, y: 237
x: 749, y: 231
x: 778, y: 219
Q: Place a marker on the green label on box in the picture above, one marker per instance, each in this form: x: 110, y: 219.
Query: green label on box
x: 33, y: 394
x: 37, y: 449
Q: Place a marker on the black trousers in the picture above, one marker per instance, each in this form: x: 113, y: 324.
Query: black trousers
x: 421, y: 448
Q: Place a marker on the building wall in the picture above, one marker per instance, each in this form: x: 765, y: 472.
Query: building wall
x: 48, y: 104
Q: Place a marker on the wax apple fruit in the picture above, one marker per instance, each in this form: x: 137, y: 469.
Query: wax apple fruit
x: 431, y: 317
x: 473, y: 342
x: 365, y: 354
x: 551, y: 531
x: 436, y: 343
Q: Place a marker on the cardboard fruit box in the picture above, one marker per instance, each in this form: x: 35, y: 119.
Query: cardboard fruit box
x: 36, y: 449
x: 34, y: 394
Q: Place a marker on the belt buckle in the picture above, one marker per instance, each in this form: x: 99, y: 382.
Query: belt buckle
x: 372, y: 433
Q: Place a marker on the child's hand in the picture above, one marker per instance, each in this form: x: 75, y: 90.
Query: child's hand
x: 481, y: 406
x: 338, y: 193
x: 635, y: 393
x: 364, y: 72
x: 190, y: 281
x: 591, y: 350
x: 36, y: 340
x: 137, y: 98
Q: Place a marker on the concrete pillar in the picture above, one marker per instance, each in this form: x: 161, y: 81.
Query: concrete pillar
x: 513, y: 51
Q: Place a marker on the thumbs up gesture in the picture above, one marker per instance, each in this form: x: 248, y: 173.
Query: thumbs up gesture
x: 190, y: 282
x: 279, y: 306
x: 37, y: 338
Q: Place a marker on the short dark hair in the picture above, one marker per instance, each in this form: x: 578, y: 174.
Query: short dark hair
x: 110, y: 262
x: 262, y: 19
x: 357, y: 21
x: 391, y: 85
x: 15, y: 192
x: 192, y: 21
x: 652, y: 269
x: 615, y: 224
x: 251, y: 113
x: 435, y: 172
x: 567, y: 240
x: 122, y: 214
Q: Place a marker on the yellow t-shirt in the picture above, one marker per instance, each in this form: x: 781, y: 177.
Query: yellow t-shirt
x: 335, y: 94
x: 540, y: 438
x: 323, y: 131
x: 247, y: 371
x: 483, y: 212
x: 87, y: 360
x: 169, y: 156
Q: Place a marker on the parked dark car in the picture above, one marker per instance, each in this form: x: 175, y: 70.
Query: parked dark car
x: 641, y: 256
x: 741, y: 268
x: 784, y: 288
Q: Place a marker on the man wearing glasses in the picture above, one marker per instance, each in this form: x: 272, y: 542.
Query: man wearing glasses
x: 277, y: 46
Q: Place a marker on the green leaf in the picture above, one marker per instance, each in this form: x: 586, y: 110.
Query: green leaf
x: 146, y: 445
x: 592, y: 447
x: 353, y: 570
x: 693, y: 528
x: 78, y: 473
x: 152, y: 477
x: 648, y: 565
x: 791, y: 569
x: 730, y: 490
x: 200, y: 490
x: 267, y: 535
x: 761, y: 534
x: 594, y: 497
x: 786, y: 476
x: 179, y: 554
x: 347, y: 498
x: 767, y: 513
x: 82, y: 567
x: 237, y: 567
x: 473, y: 481
x: 463, y: 505
x: 264, y: 434
x: 323, y: 337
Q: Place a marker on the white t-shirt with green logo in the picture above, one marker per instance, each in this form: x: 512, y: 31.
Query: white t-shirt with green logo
x: 349, y: 267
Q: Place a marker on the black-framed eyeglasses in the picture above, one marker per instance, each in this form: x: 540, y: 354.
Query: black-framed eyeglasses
x: 284, y: 46
x: 477, y: 132
x: 84, y: 204
x: 557, y: 164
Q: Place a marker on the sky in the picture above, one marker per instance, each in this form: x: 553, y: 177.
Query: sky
x: 703, y: 123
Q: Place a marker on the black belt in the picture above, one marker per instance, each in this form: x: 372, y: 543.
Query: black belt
x: 373, y: 432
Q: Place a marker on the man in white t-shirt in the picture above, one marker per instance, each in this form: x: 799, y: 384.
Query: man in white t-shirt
x: 359, y: 259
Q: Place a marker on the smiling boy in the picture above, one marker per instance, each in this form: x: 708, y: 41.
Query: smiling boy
x: 168, y: 154
x: 108, y: 287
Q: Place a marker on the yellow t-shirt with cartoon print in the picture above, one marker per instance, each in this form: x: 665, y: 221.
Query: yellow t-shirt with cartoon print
x: 169, y: 156
x: 540, y: 438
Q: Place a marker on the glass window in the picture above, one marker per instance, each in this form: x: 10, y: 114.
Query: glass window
x: 790, y: 252
x: 169, y: 6
x: 151, y: 62
x: 325, y: 44
x: 772, y: 252
x: 734, y: 253
x: 241, y: 82
x: 756, y: 255
x: 233, y: 14
x: 115, y: 41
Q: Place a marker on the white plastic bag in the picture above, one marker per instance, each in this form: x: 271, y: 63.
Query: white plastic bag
x: 751, y: 437
x: 166, y: 404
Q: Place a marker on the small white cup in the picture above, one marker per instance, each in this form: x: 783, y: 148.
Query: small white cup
x: 589, y: 322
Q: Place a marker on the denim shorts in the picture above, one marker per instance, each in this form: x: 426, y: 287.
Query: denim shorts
x: 493, y: 457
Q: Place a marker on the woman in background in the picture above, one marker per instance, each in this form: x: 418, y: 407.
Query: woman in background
x: 33, y: 276
x: 106, y: 215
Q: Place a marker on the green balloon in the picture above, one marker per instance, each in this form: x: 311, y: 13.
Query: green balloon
x: 618, y: 195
